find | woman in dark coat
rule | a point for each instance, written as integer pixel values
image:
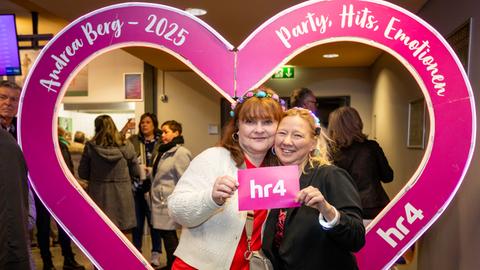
(325, 231)
(363, 159)
(108, 164)
(146, 144)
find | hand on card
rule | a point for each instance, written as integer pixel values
(312, 197)
(223, 188)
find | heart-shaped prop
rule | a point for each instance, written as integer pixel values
(378, 23)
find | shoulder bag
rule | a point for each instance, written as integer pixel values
(257, 259)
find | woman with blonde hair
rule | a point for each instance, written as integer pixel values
(325, 231)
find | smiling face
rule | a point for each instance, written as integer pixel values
(294, 140)
(256, 136)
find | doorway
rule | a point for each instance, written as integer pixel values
(325, 105)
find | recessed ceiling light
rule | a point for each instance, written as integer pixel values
(196, 11)
(331, 55)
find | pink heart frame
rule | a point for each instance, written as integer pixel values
(417, 45)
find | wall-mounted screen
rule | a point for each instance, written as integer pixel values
(9, 56)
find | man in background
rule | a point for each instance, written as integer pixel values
(304, 98)
(9, 99)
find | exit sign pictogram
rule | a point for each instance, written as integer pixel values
(284, 73)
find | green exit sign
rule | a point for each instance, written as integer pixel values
(284, 73)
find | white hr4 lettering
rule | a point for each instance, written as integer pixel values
(263, 192)
(400, 230)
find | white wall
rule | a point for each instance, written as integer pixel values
(324, 82)
(105, 77)
(85, 121)
(394, 88)
(193, 103)
(105, 85)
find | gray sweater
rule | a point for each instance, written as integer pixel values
(171, 167)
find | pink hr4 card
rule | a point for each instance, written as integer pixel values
(268, 188)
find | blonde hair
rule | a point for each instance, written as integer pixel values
(320, 155)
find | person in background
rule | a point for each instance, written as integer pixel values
(205, 201)
(128, 129)
(9, 98)
(325, 231)
(363, 159)
(146, 144)
(64, 144)
(108, 164)
(78, 143)
(44, 218)
(170, 164)
(32, 218)
(68, 137)
(76, 151)
(14, 206)
(38, 214)
(304, 98)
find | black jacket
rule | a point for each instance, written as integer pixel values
(13, 205)
(306, 244)
(368, 166)
(67, 157)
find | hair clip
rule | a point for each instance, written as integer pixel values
(258, 94)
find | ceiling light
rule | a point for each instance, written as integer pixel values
(196, 11)
(331, 55)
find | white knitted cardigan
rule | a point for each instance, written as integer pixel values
(210, 233)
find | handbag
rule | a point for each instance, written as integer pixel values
(257, 259)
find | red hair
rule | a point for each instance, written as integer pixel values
(250, 109)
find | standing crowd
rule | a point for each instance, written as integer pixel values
(150, 179)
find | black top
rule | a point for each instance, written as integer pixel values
(306, 244)
(368, 166)
(67, 157)
(14, 241)
(12, 129)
